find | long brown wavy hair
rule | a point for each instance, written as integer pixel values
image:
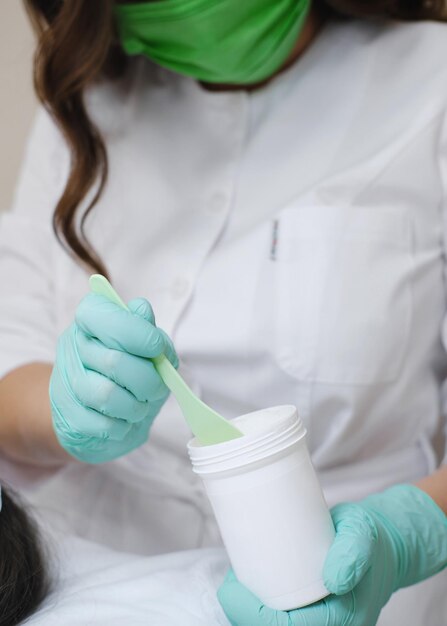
(77, 46)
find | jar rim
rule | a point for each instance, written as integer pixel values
(267, 431)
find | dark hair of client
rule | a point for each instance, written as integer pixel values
(24, 579)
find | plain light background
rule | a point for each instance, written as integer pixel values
(17, 101)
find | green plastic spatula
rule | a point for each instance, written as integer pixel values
(208, 426)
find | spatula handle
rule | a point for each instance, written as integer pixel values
(172, 379)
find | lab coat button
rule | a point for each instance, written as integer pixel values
(180, 287)
(226, 118)
(217, 202)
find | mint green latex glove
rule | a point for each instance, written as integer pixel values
(104, 390)
(387, 541)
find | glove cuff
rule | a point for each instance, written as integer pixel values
(417, 528)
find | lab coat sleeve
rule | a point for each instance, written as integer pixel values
(443, 171)
(27, 248)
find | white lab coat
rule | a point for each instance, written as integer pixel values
(292, 243)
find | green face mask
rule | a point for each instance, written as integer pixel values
(218, 41)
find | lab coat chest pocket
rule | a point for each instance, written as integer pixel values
(343, 292)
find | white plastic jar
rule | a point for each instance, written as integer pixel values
(269, 506)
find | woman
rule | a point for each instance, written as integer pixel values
(271, 179)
